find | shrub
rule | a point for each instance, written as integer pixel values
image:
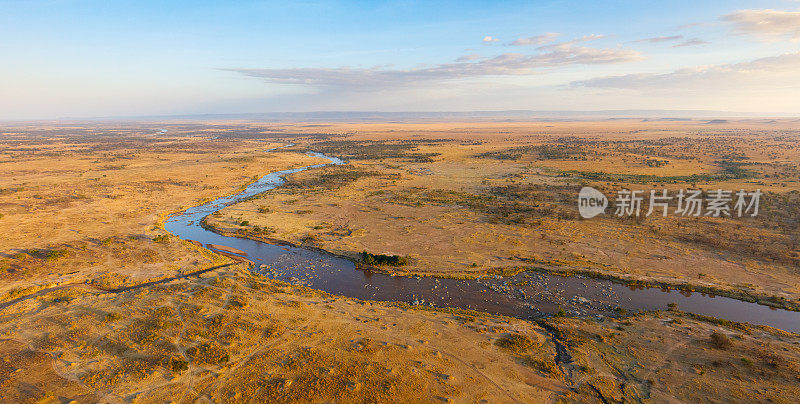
(560, 312)
(382, 259)
(178, 365)
(112, 316)
(53, 255)
(49, 255)
(720, 340)
(516, 343)
(208, 354)
(261, 230)
(375, 150)
(161, 238)
(546, 366)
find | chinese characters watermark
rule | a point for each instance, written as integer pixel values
(692, 202)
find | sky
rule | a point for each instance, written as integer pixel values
(77, 59)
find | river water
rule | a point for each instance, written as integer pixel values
(526, 295)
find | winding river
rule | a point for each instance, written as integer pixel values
(526, 295)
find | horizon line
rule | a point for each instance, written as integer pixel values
(361, 115)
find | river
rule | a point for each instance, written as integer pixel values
(526, 295)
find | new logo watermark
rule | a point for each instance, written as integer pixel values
(692, 202)
(591, 202)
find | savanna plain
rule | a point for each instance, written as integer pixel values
(100, 303)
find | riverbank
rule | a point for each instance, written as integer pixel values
(241, 328)
(623, 279)
(189, 223)
(472, 204)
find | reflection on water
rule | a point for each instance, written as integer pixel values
(526, 295)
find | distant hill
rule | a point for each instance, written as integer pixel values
(510, 115)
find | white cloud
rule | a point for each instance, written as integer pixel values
(490, 39)
(568, 44)
(768, 85)
(507, 64)
(690, 42)
(536, 39)
(659, 39)
(468, 58)
(775, 73)
(767, 24)
(674, 38)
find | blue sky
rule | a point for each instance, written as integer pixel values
(64, 58)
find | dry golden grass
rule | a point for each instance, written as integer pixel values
(73, 229)
(76, 207)
(491, 196)
(81, 206)
(683, 364)
(229, 335)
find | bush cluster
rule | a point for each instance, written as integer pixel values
(383, 259)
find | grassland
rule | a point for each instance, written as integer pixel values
(491, 197)
(99, 304)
